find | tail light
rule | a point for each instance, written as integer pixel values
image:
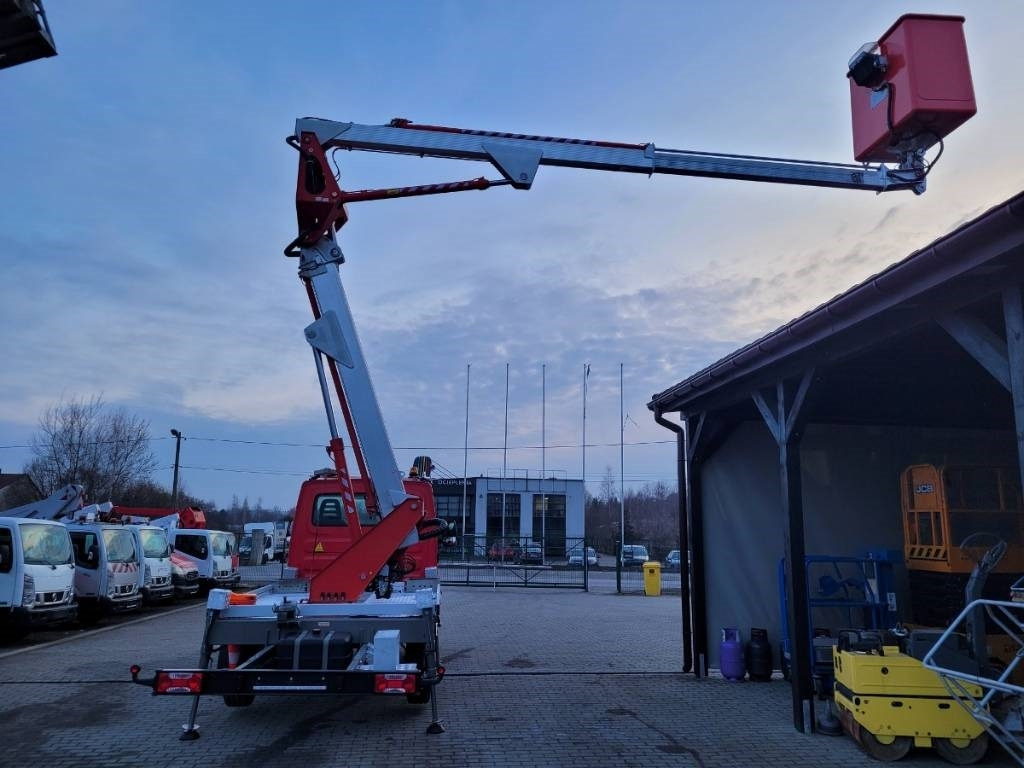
(394, 683)
(178, 682)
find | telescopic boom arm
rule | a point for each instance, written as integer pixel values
(517, 158)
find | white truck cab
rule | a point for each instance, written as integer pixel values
(108, 563)
(37, 575)
(155, 584)
(213, 553)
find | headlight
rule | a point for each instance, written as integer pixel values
(111, 589)
(28, 591)
(148, 579)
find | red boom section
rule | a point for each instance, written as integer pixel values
(189, 517)
(339, 562)
(320, 201)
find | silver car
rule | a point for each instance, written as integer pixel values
(576, 558)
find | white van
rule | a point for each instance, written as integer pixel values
(213, 553)
(155, 584)
(37, 575)
(107, 567)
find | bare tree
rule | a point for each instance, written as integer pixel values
(608, 494)
(81, 442)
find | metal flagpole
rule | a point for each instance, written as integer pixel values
(465, 467)
(504, 467)
(586, 373)
(622, 464)
(543, 466)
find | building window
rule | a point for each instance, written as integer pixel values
(549, 522)
(496, 512)
(449, 508)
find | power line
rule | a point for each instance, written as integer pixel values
(637, 477)
(563, 446)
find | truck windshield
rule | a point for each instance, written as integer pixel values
(222, 543)
(120, 545)
(154, 543)
(46, 544)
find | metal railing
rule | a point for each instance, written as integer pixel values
(990, 698)
(515, 562)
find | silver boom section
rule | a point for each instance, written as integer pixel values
(517, 157)
(334, 334)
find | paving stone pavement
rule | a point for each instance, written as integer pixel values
(535, 678)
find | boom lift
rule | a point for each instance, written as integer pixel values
(363, 615)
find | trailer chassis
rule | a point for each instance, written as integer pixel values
(241, 651)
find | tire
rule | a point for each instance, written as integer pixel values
(962, 751)
(238, 699)
(12, 634)
(232, 699)
(415, 653)
(889, 750)
(264, 561)
(90, 616)
(422, 696)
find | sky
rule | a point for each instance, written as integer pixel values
(147, 194)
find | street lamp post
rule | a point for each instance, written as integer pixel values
(177, 455)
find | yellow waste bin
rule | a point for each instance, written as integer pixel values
(652, 578)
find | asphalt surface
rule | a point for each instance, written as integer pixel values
(535, 678)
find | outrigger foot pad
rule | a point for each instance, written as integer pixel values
(189, 734)
(435, 727)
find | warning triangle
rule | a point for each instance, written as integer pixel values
(319, 547)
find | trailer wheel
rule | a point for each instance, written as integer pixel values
(422, 696)
(238, 699)
(416, 653)
(962, 751)
(232, 699)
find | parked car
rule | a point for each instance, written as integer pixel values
(505, 550)
(576, 558)
(634, 555)
(672, 561)
(531, 553)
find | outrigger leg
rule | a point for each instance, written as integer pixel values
(190, 730)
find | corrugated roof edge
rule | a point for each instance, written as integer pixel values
(959, 251)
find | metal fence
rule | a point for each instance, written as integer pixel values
(515, 562)
(476, 561)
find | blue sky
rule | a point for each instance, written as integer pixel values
(148, 193)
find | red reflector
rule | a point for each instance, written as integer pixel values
(178, 682)
(394, 683)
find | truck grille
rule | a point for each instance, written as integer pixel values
(223, 574)
(51, 598)
(160, 581)
(125, 589)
